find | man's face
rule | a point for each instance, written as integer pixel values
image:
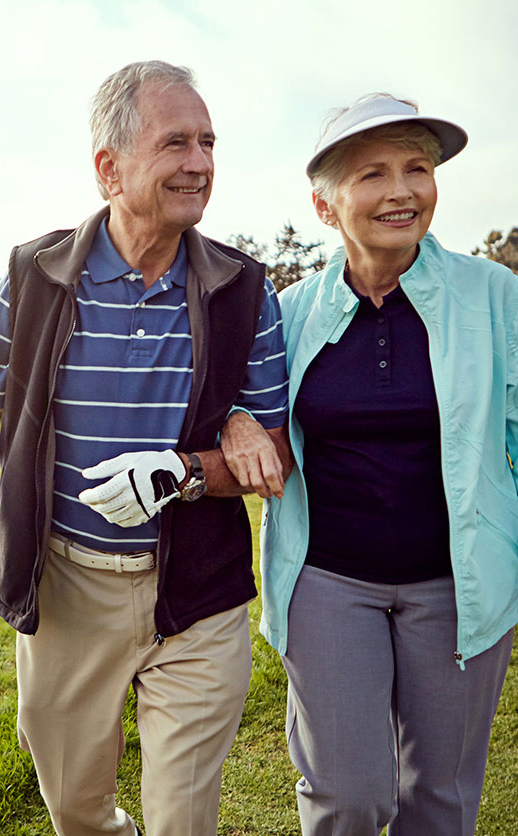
(166, 180)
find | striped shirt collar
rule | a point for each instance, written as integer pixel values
(105, 264)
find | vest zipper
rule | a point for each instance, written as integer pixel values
(190, 416)
(38, 470)
(200, 379)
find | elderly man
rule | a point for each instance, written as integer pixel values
(126, 557)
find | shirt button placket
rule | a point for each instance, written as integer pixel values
(382, 351)
(138, 330)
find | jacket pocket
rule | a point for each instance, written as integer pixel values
(500, 532)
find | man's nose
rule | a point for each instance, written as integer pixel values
(199, 159)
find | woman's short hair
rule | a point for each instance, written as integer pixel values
(114, 117)
(330, 171)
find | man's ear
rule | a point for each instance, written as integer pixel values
(324, 211)
(105, 162)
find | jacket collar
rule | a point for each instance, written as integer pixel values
(334, 289)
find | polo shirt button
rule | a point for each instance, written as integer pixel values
(141, 332)
(381, 320)
(383, 363)
(381, 341)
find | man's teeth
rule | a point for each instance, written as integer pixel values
(183, 190)
(398, 216)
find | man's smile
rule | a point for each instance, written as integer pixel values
(186, 189)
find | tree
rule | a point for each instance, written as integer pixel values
(505, 251)
(248, 245)
(291, 259)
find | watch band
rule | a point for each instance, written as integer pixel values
(196, 466)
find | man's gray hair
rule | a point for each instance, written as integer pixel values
(114, 117)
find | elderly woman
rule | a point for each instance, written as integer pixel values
(391, 564)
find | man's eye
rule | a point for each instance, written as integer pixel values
(371, 175)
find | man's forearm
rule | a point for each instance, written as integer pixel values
(273, 467)
(140, 483)
(220, 481)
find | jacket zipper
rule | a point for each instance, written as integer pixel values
(457, 655)
(300, 464)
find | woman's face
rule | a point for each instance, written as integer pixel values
(385, 200)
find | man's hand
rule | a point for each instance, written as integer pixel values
(251, 455)
(141, 484)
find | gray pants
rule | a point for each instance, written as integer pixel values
(382, 723)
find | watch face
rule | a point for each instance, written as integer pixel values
(194, 489)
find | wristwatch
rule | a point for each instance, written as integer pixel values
(197, 484)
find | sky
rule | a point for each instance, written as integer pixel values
(269, 72)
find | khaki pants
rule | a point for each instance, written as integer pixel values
(96, 638)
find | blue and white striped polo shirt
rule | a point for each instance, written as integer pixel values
(125, 381)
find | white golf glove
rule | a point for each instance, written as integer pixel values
(141, 484)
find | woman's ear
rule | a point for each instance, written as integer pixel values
(324, 210)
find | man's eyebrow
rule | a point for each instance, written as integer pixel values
(182, 135)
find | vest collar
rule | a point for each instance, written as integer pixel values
(63, 261)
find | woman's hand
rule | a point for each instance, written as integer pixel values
(259, 459)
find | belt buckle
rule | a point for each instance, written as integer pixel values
(143, 555)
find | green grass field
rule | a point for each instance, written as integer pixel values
(258, 798)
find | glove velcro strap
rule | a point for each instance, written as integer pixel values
(135, 491)
(164, 484)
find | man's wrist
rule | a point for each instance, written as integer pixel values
(194, 484)
(235, 410)
(187, 464)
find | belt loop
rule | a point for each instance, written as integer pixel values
(117, 559)
(68, 543)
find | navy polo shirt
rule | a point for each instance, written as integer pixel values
(372, 464)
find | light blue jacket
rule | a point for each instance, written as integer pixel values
(470, 309)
